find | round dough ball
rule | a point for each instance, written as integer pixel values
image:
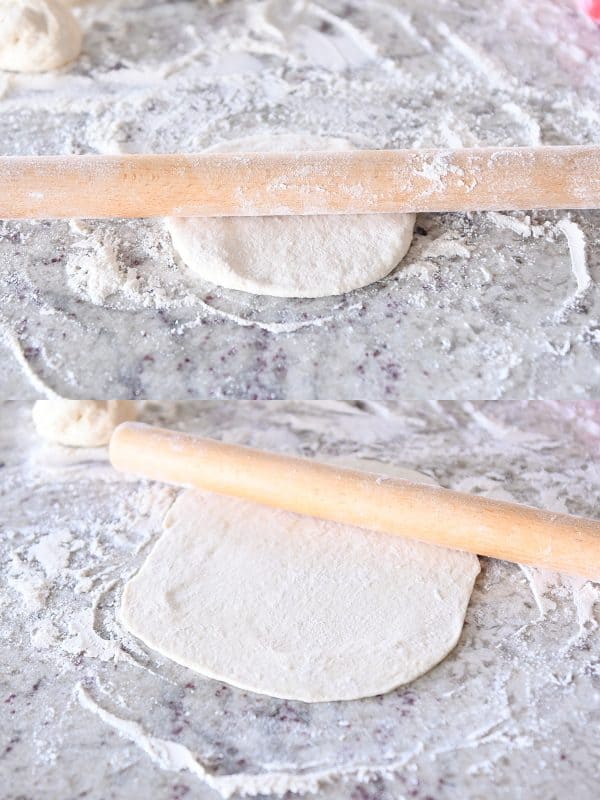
(81, 423)
(37, 35)
(295, 607)
(292, 256)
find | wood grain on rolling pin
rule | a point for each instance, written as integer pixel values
(254, 184)
(389, 505)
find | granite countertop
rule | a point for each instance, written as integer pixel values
(484, 305)
(88, 711)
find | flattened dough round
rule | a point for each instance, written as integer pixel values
(37, 35)
(295, 607)
(81, 423)
(292, 256)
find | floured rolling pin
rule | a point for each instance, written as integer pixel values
(389, 505)
(266, 184)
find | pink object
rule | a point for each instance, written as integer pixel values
(591, 8)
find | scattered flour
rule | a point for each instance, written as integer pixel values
(520, 224)
(70, 617)
(176, 757)
(376, 74)
(82, 638)
(32, 587)
(577, 245)
(52, 553)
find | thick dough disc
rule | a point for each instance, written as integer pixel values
(292, 256)
(81, 423)
(37, 35)
(295, 607)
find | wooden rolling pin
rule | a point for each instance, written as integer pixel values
(262, 184)
(389, 505)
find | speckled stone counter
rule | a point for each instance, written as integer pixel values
(87, 711)
(484, 305)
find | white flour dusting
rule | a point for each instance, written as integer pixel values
(576, 241)
(520, 224)
(31, 586)
(10, 339)
(380, 74)
(176, 757)
(77, 531)
(53, 552)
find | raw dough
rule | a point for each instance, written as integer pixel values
(81, 423)
(37, 35)
(311, 256)
(295, 607)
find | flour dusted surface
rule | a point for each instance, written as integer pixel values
(500, 291)
(517, 695)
